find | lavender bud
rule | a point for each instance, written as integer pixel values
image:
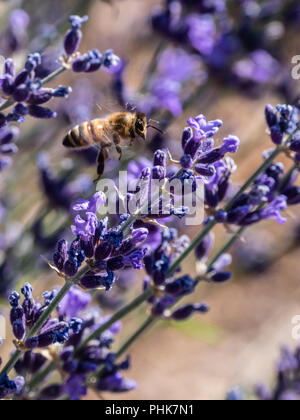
(160, 306)
(58, 261)
(295, 146)
(33, 60)
(41, 112)
(27, 290)
(88, 248)
(62, 92)
(186, 311)
(81, 64)
(158, 172)
(8, 135)
(236, 215)
(18, 328)
(77, 21)
(7, 85)
(271, 116)
(211, 198)
(181, 286)
(16, 313)
(103, 250)
(91, 281)
(205, 246)
(109, 59)
(187, 135)
(21, 78)
(70, 268)
(160, 158)
(40, 97)
(21, 109)
(221, 277)
(221, 216)
(8, 149)
(72, 41)
(207, 171)
(32, 343)
(76, 325)
(276, 135)
(186, 161)
(14, 299)
(115, 263)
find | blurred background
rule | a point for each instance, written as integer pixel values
(238, 341)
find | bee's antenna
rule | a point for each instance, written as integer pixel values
(155, 128)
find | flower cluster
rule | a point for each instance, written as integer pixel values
(24, 316)
(105, 250)
(76, 362)
(91, 61)
(24, 89)
(284, 120)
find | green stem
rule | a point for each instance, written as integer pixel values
(116, 317)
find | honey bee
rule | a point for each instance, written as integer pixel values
(108, 132)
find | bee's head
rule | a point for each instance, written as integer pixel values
(140, 125)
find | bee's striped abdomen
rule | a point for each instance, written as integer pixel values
(84, 135)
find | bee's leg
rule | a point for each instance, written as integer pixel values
(101, 159)
(117, 142)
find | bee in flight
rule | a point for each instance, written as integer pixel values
(108, 132)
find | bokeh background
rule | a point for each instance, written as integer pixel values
(238, 341)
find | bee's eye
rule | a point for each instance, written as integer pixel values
(139, 125)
